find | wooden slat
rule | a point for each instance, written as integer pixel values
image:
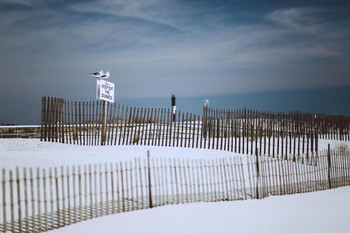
(52, 223)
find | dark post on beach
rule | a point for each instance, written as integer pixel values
(173, 106)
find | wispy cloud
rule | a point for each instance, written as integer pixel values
(30, 3)
(153, 11)
(311, 33)
(301, 19)
(175, 46)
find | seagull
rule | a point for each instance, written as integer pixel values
(104, 76)
(97, 74)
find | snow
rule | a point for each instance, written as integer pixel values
(18, 126)
(325, 211)
(321, 212)
(34, 153)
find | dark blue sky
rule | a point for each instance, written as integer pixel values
(256, 50)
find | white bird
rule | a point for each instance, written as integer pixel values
(105, 76)
(97, 74)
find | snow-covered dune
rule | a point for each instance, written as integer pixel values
(318, 212)
(34, 153)
(321, 212)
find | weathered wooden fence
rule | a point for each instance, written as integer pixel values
(292, 125)
(37, 200)
(240, 131)
(81, 123)
(20, 131)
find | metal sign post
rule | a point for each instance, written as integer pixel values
(104, 123)
(173, 106)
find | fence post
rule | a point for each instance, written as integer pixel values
(329, 166)
(173, 107)
(204, 122)
(257, 173)
(4, 199)
(19, 200)
(43, 104)
(12, 204)
(149, 181)
(104, 123)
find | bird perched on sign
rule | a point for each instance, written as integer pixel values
(97, 74)
(105, 76)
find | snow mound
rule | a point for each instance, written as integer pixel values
(318, 212)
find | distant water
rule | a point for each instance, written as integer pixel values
(334, 101)
(330, 101)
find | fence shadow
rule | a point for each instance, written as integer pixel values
(37, 200)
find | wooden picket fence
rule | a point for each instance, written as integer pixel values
(20, 131)
(38, 200)
(240, 131)
(286, 124)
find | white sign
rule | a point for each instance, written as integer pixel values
(105, 90)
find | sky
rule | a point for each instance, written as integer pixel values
(234, 53)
